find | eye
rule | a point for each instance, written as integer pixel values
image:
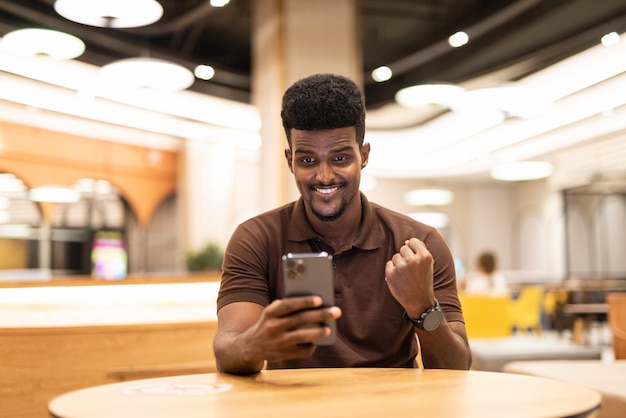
(308, 160)
(340, 158)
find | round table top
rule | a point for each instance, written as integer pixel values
(357, 392)
(607, 377)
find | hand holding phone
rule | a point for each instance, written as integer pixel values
(311, 274)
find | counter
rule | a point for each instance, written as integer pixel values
(70, 333)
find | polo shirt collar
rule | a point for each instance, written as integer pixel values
(370, 232)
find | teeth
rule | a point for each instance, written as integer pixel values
(326, 191)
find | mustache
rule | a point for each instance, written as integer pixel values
(329, 185)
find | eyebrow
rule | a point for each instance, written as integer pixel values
(334, 151)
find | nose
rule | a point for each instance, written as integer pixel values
(325, 173)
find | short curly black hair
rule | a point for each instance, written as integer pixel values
(324, 101)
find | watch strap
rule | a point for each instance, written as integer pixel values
(419, 322)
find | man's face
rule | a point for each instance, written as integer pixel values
(326, 165)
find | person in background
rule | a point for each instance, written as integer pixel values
(394, 277)
(486, 279)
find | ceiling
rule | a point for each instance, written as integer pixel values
(409, 36)
(510, 41)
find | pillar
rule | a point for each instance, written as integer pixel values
(205, 194)
(292, 39)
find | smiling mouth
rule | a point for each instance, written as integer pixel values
(326, 190)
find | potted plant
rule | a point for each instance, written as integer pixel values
(208, 258)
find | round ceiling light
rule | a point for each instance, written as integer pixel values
(458, 39)
(424, 95)
(150, 73)
(34, 42)
(382, 73)
(521, 171)
(204, 72)
(110, 13)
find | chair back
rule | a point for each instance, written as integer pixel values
(486, 316)
(525, 311)
(617, 322)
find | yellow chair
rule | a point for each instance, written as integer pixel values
(617, 322)
(525, 311)
(486, 316)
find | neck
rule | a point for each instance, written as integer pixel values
(341, 232)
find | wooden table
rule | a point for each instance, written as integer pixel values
(302, 393)
(607, 377)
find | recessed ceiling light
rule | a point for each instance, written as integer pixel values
(382, 73)
(428, 197)
(610, 39)
(458, 39)
(204, 72)
(424, 95)
(521, 171)
(110, 13)
(34, 42)
(150, 73)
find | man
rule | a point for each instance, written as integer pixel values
(393, 276)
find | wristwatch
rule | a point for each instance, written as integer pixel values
(430, 319)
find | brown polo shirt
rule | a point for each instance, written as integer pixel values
(372, 331)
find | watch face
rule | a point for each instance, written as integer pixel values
(432, 320)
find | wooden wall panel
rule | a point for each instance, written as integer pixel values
(144, 176)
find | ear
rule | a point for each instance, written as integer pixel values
(288, 156)
(365, 154)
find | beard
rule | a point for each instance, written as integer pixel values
(329, 218)
(345, 201)
(322, 215)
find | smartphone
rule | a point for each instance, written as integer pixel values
(311, 274)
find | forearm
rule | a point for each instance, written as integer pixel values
(444, 348)
(231, 355)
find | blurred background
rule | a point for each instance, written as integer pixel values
(135, 135)
(455, 90)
